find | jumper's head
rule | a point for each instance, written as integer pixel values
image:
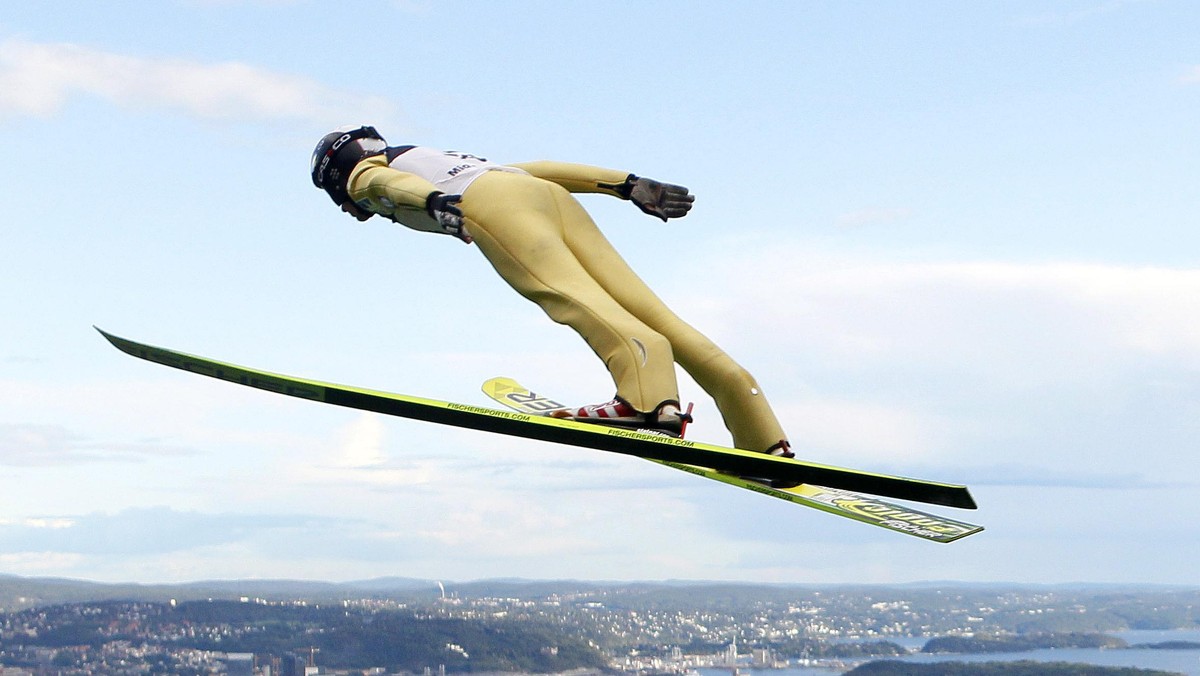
(337, 154)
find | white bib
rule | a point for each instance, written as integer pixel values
(450, 170)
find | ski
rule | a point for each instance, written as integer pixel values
(862, 508)
(529, 426)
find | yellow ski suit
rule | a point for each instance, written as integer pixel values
(540, 239)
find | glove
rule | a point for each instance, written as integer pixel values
(444, 209)
(663, 200)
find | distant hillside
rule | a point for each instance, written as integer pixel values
(18, 593)
(860, 609)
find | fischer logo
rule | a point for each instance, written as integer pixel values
(640, 434)
(511, 415)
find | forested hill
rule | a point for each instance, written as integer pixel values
(344, 637)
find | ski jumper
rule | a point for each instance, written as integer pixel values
(540, 239)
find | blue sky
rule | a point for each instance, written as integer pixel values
(952, 240)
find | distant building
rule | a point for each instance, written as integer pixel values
(239, 664)
(292, 664)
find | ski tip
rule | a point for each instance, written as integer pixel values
(120, 343)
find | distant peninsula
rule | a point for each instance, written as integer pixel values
(984, 644)
(1167, 645)
(1023, 668)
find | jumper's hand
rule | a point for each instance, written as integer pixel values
(663, 200)
(444, 209)
(356, 211)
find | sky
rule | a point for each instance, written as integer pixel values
(952, 240)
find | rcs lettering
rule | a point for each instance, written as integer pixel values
(534, 402)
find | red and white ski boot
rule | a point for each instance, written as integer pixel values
(666, 419)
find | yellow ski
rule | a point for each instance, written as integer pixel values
(532, 426)
(856, 506)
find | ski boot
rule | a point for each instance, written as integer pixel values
(667, 419)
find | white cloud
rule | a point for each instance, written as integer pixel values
(1192, 76)
(153, 530)
(39, 79)
(863, 430)
(45, 445)
(979, 315)
(362, 443)
(918, 366)
(39, 522)
(39, 563)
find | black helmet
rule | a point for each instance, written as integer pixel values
(338, 152)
